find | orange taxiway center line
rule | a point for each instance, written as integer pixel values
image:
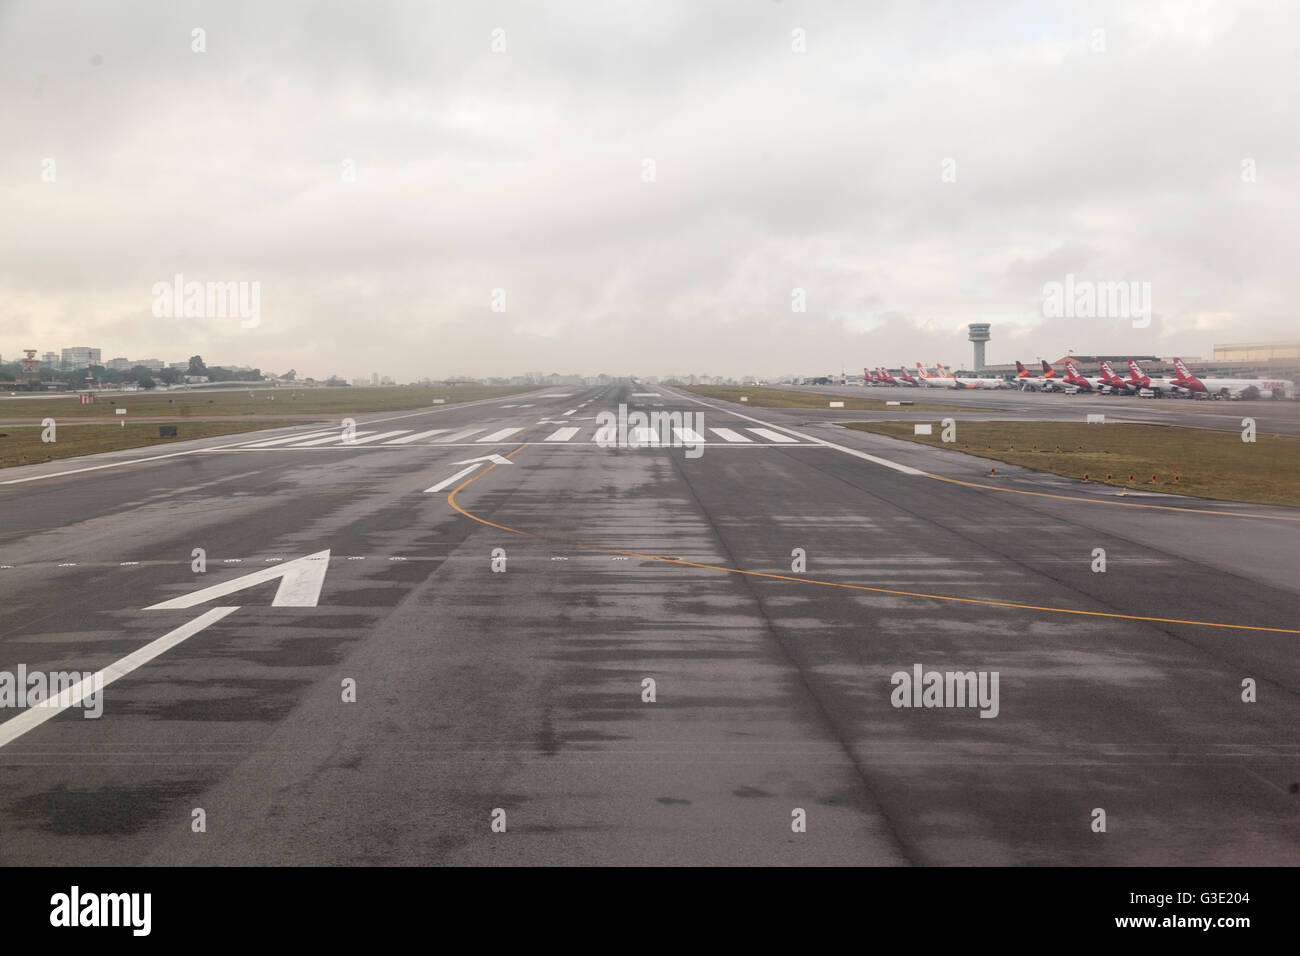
(451, 500)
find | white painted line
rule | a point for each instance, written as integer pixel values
(36, 715)
(730, 435)
(922, 429)
(501, 435)
(561, 434)
(285, 441)
(645, 395)
(772, 436)
(417, 436)
(458, 436)
(570, 411)
(1096, 419)
(885, 462)
(363, 441)
(300, 583)
(836, 404)
(689, 436)
(454, 478)
(336, 437)
(115, 464)
(644, 436)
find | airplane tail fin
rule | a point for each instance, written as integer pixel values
(1048, 371)
(1021, 371)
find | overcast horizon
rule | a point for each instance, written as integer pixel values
(647, 188)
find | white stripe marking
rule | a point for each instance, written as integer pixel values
(904, 469)
(729, 435)
(362, 441)
(337, 436)
(689, 436)
(772, 436)
(34, 716)
(417, 436)
(285, 441)
(458, 436)
(562, 434)
(502, 435)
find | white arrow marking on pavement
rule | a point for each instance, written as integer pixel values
(474, 465)
(495, 459)
(300, 584)
(454, 478)
(38, 714)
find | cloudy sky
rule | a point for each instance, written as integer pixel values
(912, 167)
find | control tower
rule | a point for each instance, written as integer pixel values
(979, 334)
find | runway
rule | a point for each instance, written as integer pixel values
(392, 689)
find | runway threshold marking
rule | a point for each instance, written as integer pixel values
(451, 500)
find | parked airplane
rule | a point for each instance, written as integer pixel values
(955, 382)
(1026, 380)
(1229, 387)
(1112, 381)
(884, 378)
(933, 381)
(1142, 381)
(1075, 378)
(907, 378)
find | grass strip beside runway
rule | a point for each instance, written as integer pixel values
(1205, 463)
(22, 445)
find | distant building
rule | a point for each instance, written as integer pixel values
(360, 382)
(49, 359)
(374, 378)
(179, 366)
(1258, 352)
(81, 356)
(153, 364)
(119, 364)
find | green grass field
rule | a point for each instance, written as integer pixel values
(793, 398)
(22, 445)
(1207, 464)
(268, 402)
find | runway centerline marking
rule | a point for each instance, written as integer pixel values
(451, 500)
